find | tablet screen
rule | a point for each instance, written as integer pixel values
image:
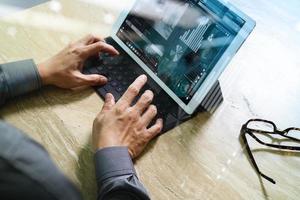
(180, 40)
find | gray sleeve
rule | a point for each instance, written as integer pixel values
(116, 176)
(23, 156)
(18, 78)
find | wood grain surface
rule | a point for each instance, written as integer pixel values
(201, 159)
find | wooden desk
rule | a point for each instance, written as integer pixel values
(201, 159)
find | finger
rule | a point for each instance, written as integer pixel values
(109, 102)
(144, 102)
(132, 91)
(155, 129)
(90, 39)
(91, 80)
(97, 47)
(149, 115)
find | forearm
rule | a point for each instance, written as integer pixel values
(18, 78)
(116, 176)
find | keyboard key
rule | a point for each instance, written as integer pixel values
(100, 68)
(125, 83)
(93, 71)
(111, 90)
(110, 67)
(114, 73)
(97, 63)
(119, 78)
(120, 89)
(114, 84)
(101, 91)
(106, 61)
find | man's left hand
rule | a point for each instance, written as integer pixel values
(64, 69)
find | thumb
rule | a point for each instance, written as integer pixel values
(92, 79)
(109, 102)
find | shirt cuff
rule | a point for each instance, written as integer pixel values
(113, 162)
(21, 77)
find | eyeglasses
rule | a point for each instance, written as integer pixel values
(268, 129)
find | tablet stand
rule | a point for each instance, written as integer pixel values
(213, 99)
(210, 103)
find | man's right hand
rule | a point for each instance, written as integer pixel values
(120, 124)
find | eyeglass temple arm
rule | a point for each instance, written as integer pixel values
(253, 160)
(285, 132)
(273, 145)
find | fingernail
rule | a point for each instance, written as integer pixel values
(144, 77)
(149, 92)
(103, 79)
(107, 97)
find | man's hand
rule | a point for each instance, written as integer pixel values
(120, 124)
(64, 69)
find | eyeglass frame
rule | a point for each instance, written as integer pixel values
(245, 130)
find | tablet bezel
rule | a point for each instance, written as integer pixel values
(214, 74)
